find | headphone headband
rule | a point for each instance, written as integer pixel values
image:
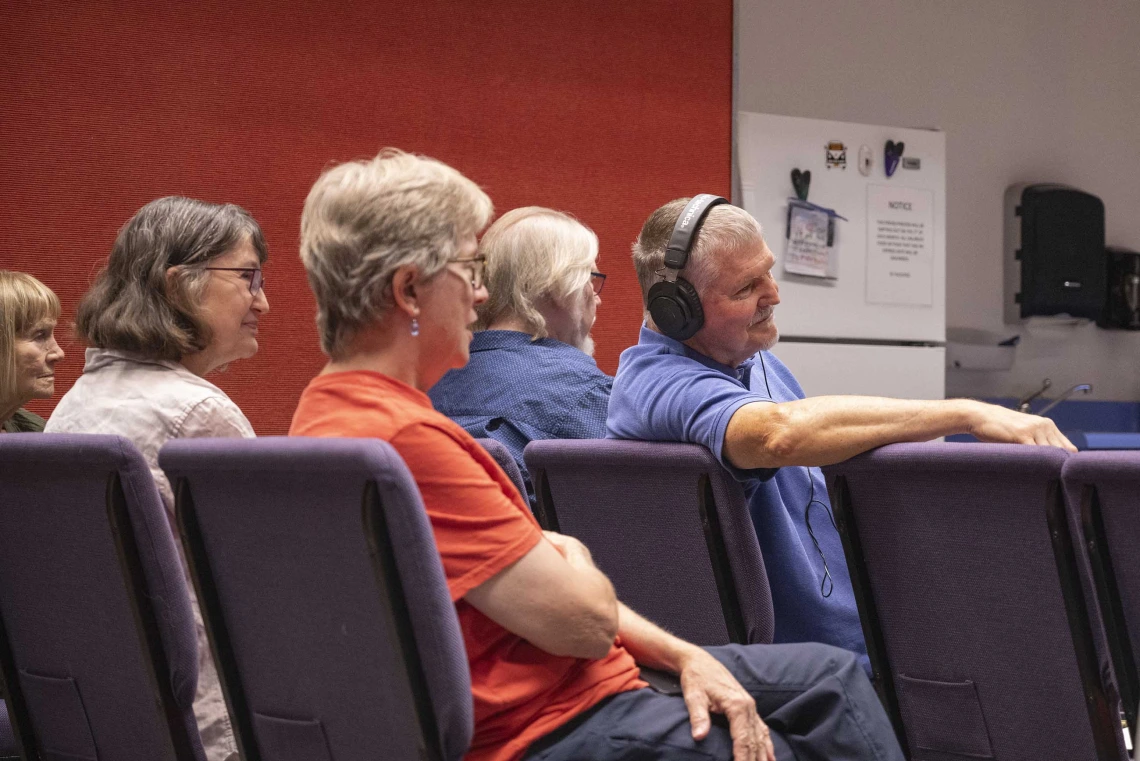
(690, 221)
(674, 303)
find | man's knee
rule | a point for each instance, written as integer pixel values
(837, 659)
(826, 661)
(800, 663)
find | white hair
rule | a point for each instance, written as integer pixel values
(364, 219)
(534, 253)
(726, 229)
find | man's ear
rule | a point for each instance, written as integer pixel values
(405, 289)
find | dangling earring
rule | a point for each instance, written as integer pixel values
(415, 327)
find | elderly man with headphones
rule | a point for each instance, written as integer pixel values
(701, 373)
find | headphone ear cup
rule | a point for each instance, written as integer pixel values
(666, 311)
(676, 309)
(688, 294)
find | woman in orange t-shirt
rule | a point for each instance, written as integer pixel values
(390, 250)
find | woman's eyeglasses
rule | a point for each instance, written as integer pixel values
(477, 267)
(597, 281)
(253, 274)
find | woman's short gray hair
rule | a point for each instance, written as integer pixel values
(24, 303)
(132, 305)
(365, 219)
(534, 253)
(726, 228)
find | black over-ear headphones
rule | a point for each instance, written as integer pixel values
(673, 303)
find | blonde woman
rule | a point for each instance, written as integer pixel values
(532, 375)
(28, 349)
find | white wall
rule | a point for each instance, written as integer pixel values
(1026, 90)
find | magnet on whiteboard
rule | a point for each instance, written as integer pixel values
(866, 160)
(891, 155)
(836, 155)
(801, 183)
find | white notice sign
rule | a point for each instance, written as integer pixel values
(809, 249)
(900, 245)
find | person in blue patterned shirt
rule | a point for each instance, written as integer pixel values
(532, 374)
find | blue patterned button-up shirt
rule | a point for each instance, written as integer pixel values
(517, 390)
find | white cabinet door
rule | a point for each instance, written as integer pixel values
(903, 372)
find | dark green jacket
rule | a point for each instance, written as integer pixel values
(23, 422)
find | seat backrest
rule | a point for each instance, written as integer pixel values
(975, 620)
(1103, 490)
(324, 597)
(8, 747)
(669, 527)
(97, 643)
(503, 458)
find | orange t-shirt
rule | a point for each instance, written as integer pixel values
(481, 526)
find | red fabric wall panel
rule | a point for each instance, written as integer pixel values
(603, 109)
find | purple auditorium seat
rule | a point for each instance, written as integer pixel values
(669, 527)
(329, 616)
(975, 619)
(97, 646)
(504, 460)
(8, 747)
(1103, 490)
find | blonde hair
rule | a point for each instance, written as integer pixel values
(534, 253)
(24, 302)
(726, 228)
(364, 219)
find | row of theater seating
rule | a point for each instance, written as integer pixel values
(998, 586)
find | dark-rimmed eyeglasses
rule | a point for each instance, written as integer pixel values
(477, 267)
(254, 275)
(597, 282)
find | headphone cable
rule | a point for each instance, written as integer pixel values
(824, 583)
(827, 583)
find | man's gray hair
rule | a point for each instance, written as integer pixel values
(365, 219)
(726, 229)
(534, 253)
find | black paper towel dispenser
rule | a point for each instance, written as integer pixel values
(1054, 252)
(1122, 305)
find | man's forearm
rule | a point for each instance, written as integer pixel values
(649, 644)
(827, 429)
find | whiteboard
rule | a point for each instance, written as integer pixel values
(881, 292)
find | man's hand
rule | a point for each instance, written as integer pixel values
(708, 686)
(574, 551)
(1000, 425)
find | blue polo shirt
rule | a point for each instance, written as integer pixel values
(665, 391)
(517, 390)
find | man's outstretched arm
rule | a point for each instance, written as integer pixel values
(823, 430)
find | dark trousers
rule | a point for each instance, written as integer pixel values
(815, 699)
